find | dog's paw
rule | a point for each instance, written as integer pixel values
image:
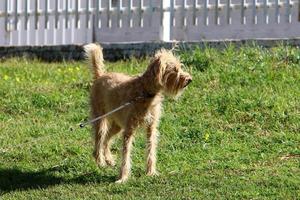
(121, 180)
(110, 162)
(152, 173)
(100, 160)
(101, 163)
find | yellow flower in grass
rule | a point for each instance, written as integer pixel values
(206, 136)
(6, 77)
(18, 79)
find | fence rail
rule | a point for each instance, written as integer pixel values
(56, 22)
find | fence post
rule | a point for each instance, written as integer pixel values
(166, 26)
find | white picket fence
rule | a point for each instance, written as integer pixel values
(56, 22)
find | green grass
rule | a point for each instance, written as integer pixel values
(233, 134)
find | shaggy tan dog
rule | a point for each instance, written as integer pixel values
(145, 92)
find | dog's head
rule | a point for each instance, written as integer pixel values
(166, 68)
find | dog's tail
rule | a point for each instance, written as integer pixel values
(94, 55)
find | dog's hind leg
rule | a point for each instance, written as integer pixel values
(101, 129)
(114, 129)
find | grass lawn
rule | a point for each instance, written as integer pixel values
(233, 134)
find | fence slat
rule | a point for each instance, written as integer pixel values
(119, 14)
(129, 20)
(298, 11)
(87, 13)
(25, 14)
(194, 20)
(205, 14)
(228, 3)
(46, 14)
(276, 12)
(56, 14)
(140, 13)
(288, 11)
(216, 12)
(266, 21)
(108, 24)
(242, 11)
(66, 13)
(150, 12)
(165, 27)
(16, 15)
(172, 13)
(182, 14)
(253, 11)
(76, 13)
(162, 12)
(97, 10)
(36, 16)
(6, 15)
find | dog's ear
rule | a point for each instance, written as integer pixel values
(156, 69)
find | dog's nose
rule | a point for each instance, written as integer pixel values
(189, 80)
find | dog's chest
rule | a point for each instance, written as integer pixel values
(145, 112)
(148, 118)
(152, 113)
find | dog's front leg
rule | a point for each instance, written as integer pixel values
(152, 134)
(126, 162)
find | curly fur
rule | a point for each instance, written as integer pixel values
(163, 76)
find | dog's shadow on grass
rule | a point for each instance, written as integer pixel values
(16, 179)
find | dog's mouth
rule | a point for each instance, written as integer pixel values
(188, 81)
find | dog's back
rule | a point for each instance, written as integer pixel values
(94, 56)
(110, 89)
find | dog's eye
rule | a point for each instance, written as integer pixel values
(176, 69)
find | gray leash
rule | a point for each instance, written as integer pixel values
(83, 124)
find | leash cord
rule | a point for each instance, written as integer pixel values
(83, 124)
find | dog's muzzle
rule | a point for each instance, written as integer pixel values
(188, 82)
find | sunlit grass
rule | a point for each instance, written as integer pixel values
(234, 133)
